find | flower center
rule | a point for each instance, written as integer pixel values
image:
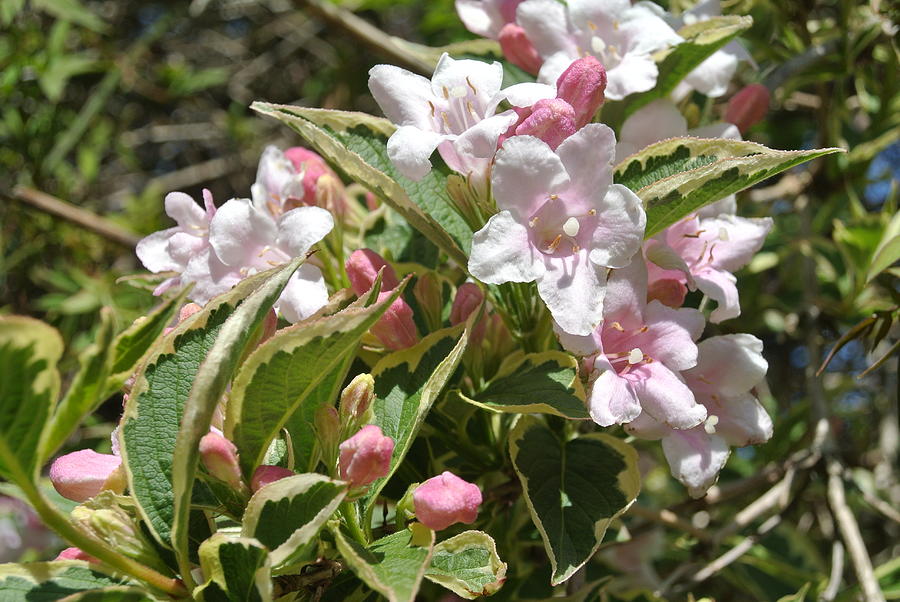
(459, 110)
(553, 230)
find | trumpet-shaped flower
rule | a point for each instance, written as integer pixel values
(249, 240)
(446, 499)
(728, 367)
(295, 178)
(637, 354)
(562, 223)
(487, 17)
(621, 36)
(454, 113)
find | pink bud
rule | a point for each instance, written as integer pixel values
(582, 85)
(518, 49)
(551, 119)
(219, 457)
(187, 311)
(748, 106)
(321, 186)
(396, 328)
(265, 474)
(365, 456)
(75, 554)
(468, 298)
(667, 291)
(446, 499)
(362, 268)
(85, 473)
(372, 201)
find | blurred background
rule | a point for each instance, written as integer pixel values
(107, 106)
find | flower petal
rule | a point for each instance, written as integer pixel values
(656, 121)
(573, 288)
(528, 93)
(664, 396)
(721, 287)
(186, 213)
(742, 419)
(712, 76)
(483, 79)
(636, 73)
(410, 148)
(626, 294)
(744, 237)
(402, 95)
(728, 365)
(480, 140)
(480, 17)
(588, 157)
(239, 231)
(304, 295)
(611, 399)
(526, 172)
(153, 251)
(671, 334)
(502, 252)
(546, 24)
(695, 458)
(301, 228)
(620, 228)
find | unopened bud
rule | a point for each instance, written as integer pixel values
(428, 294)
(265, 474)
(582, 85)
(518, 49)
(372, 202)
(362, 269)
(445, 500)
(551, 119)
(469, 298)
(365, 456)
(219, 457)
(321, 186)
(357, 396)
(75, 554)
(105, 519)
(396, 328)
(328, 431)
(85, 473)
(667, 291)
(748, 107)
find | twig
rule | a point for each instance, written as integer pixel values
(82, 217)
(736, 552)
(788, 186)
(669, 519)
(881, 506)
(851, 535)
(837, 571)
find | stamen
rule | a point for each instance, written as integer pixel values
(446, 93)
(431, 104)
(553, 197)
(592, 26)
(592, 212)
(446, 121)
(265, 250)
(575, 248)
(551, 248)
(471, 108)
(710, 425)
(617, 326)
(616, 24)
(644, 329)
(571, 227)
(533, 221)
(703, 252)
(694, 235)
(703, 379)
(635, 356)
(474, 91)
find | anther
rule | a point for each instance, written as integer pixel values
(533, 221)
(617, 326)
(723, 234)
(446, 92)
(474, 91)
(431, 104)
(551, 248)
(644, 328)
(553, 197)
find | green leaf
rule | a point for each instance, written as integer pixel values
(154, 409)
(356, 143)
(115, 593)
(285, 516)
(237, 569)
(50, 580)
(393, 566)
(71, 10)
(210, 383)
(888, 251)
(545, 383)
(574, 489)
(85, 392)
(468, 565)
(407, 383)
(676, 177)
(701, 40)
(280, 377)
(800, 596)
(29, 352)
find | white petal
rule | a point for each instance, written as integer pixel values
(726, 206)
(572, 288)
(467, 74)
(588, 158)
(211, 276)
(410, 148)
(402, 95)
(636, 73)
(665, 397)
(720, 129)
(480, 140)
(582, 345)
(153, 251)
(620, 229)
(611, 400)
(480, 17)
(502, 252)
(304, 295)
(744, 237)
(528, 93)
(712, 76)
(301, 228)
(728, 364)
(646, 426)
(581, 12)
(721, 287)
(239, 231)
(546, 25)
(656, 121)
(695, 458)
(182, 208)
(626, 293)
(526, 172)
(742, 420)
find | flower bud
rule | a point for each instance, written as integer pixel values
(582, 85)
(667, 291)
(396, 328)
(469, 298)
(321, 186)
(748, 106)
(362, 269)
(446, 499)
(219, 457)
(429, 295)
(75, 554)
(372, 201)
(357, 396)
(365, 456)
(265, 474)
(85, 473)
(518, 49)
(327, 423)
(551, 119)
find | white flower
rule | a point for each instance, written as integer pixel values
(622, 37)
(562, 223)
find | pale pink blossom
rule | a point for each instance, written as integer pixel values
(294, 178)
(621, 36)
(727, 370)
(446, 499)
(487, 17)
(365, 456)
(265, 474)
(85, 473)
(562, 223)
(636, 356)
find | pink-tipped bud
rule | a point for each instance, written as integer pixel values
(582, 85)
(445, 500)
(357, 396)
(372, 202)
(429, 294)
(551, 119)
(85, 473)
(748, 107)
(396, 328)
(365, 456)
(219, 457)
(518, 49)
(468, 299)
(667, 291)
(269, 326)
(75, 554)
(265, 474)
(186, 312)
(321, 186)
(362, 269)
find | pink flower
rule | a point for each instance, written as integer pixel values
(396, 328)
(518, 49)
(562, 223)
(582, 85)
(85, 473)
(469, 297)
(363, 266)
(637, 354)
(487, 18)
(265, 474)
(365, 456)
(446, 499)
(219, 457)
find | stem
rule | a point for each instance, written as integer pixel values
(349, 512)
